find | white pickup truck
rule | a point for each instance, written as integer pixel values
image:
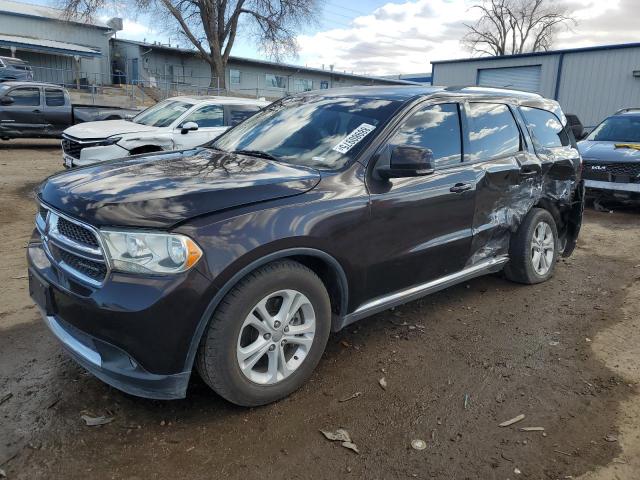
(173, 124)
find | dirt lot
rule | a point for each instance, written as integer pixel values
(565, 353)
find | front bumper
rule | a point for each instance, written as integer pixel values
(134, 333)
(612, 186)
(91, 155)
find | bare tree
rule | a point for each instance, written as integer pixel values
(211, 26)
(516, 26)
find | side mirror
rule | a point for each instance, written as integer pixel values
(408, 161)
(6, 100)
(189, 127)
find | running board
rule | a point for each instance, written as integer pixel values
(385, 302)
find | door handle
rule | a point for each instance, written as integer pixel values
(461, 187)
(526, 172)
(36, 111)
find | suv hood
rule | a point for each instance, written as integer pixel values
(106, 128)
(607, 151)
(161, 190)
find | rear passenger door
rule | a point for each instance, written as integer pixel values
(57, 111)
(25, 113)
(421, 226)
(507, 172)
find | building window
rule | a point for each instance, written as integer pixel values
(303, 84)
(234, 77)
(324, 85)
(275, 81)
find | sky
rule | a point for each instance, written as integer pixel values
(392, 37)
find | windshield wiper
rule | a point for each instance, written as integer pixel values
(258, 153)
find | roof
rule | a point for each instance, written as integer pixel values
(17, 83)
(407, 92)
(266, 62)
(220, 99)
(542, 54)
(48, 46)
(40, 11)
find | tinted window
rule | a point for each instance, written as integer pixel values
(275, 81)
(315, 130)
(208, 116)
(492, 132)
(238, 113)
(25, 96)
(54, 98)
(545, 128)
(617, 129)
(436, 127)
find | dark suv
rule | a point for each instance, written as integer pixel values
(324, 208)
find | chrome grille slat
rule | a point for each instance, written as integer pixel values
(73, 246)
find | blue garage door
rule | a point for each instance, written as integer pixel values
(518, 78)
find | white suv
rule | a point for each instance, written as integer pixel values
(173, 124)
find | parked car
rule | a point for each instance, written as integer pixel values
(176, 123)
(14, 69)
(322, 209)
(44, 110)
(612, 157)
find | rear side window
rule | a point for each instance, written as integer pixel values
(493, 132)
(436, 127)
(27, 97)
(207, 116)
(54, 97)
(238, 113)
(545, 128)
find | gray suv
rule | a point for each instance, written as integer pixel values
(14, 69)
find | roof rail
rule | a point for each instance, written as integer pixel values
(625, 110)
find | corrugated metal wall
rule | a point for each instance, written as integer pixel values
(596, 84)
(593, 85)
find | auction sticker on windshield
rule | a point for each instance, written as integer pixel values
(354, 138)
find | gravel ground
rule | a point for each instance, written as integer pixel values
(566, 354)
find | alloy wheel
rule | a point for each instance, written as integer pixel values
(276, 337)
(542, 248)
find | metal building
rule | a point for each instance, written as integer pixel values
(59, 49)
(170, 68)
(590, 82)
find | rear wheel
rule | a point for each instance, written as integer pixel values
(533, 249)
(267, 335)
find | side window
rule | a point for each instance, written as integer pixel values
(436, 127)
(545, 128)
(54, 97)
(27, 97)
(238, 113)
(207, 116)
(493, 132)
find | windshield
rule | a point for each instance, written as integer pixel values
(313, 130)
(617, 129)
(163, 114)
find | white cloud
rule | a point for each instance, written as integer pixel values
(403, 37)
(134, 30)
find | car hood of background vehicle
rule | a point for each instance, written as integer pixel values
(106, 128)
(158, 191)
(607, 151)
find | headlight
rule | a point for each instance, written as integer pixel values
(110, 141)
(144, 252)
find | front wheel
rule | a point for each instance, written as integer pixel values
(267, 335)
(533, 249)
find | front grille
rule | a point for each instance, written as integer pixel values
(92, 269)
(77, 233)
(72, 246)
(626, 172)
(73, 147)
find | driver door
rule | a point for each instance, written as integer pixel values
(421, 226)
(210, 121)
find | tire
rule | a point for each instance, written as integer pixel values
(242, 322)
(524, 265)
